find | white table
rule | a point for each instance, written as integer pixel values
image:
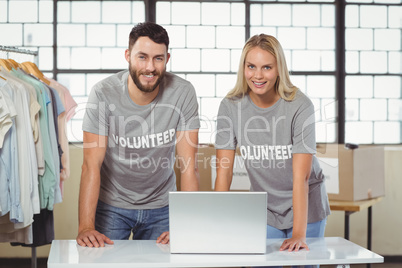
(351, 207)
(146, 253)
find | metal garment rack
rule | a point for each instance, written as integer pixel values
(16, 50)
(10, 52)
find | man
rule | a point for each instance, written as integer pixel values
(134, 121)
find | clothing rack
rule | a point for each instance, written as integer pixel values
(20, 54)
(18, 50)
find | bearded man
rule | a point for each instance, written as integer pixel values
(135, 123)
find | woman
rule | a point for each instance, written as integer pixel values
(272, 123)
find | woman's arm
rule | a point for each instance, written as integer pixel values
(224, 169)
(301, 173)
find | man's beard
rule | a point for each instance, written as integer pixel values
(135, 75)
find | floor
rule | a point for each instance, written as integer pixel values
(42, 263)
(381, 265)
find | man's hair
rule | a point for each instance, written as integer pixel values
(152, 30)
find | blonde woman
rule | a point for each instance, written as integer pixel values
(272, 123)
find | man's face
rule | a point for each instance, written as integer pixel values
(147, 63)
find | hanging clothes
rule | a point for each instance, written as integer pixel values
(70, 105)
(47, 182)
(10, 184)
(34, 159)
(21, 231)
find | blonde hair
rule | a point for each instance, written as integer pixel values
(283, 85)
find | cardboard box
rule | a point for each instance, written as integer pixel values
(207, 170)
(206, 159)
(205, 154)
(352, 175)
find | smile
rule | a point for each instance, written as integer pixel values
(259, 84)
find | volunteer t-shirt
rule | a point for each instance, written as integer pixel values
(267, 139)
(137, 172)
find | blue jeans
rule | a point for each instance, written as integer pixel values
(315, 229)
(118, 223)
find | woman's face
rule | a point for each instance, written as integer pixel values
(261, 72)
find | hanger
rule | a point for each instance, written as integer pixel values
(23, 67)
(33, 69)
(6, 65)
(13, 63)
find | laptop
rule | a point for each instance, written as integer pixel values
(218, 222)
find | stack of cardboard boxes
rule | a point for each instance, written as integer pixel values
(351, 174)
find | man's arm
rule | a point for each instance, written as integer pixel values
(94, 154)
(187, 148)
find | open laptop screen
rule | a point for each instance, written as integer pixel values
(218, 222)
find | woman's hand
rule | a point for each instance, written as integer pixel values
(294, 244)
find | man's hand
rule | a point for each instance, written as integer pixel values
(164, 238)
(92, 238)
(294, 244)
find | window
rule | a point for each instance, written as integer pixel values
(91, 46)
(206, 42)
(309, 45)
(373, 73)
(28, 24)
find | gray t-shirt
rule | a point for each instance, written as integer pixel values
(137, 172)
(267, 138)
